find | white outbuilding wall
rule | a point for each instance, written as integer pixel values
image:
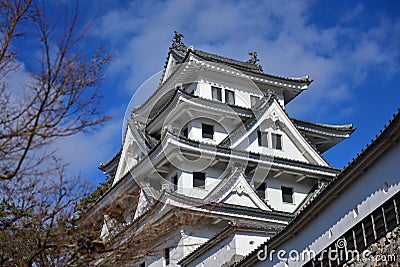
(240, 243)
(379, 183)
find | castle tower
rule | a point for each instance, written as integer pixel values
(211, 165)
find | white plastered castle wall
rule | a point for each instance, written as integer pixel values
(239, 243)
(367, 193)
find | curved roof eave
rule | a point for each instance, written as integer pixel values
(241, 65)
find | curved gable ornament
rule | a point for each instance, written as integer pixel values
(240, 190)
(274, 117)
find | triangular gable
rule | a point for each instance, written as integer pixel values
(130, 155)
(170, 66)
(142, 206)
(240, 193)
(108, 225)
(273, 119)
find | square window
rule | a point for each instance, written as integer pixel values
(216, 93)
(199, 179)
(185, 132)
(229, 97)
(287, 194)
(262, 138)
(276, 141)
(260, 191)
(254, 100)
(207, 131)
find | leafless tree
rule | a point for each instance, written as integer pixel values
(62, 96)
(60, 99)
(37, 222)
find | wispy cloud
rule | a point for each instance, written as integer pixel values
(353, 13)
(288, 43)
(84, 152)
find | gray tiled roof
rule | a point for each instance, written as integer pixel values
(181, 52)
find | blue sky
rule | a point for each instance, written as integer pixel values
(351, 49)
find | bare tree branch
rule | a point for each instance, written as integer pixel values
(63, 96)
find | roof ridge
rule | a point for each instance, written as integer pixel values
(181, 50)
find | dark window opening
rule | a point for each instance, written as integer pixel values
(207, 131)
(143, 264)
(260, 191)
(216, 93)
(359, 233)
(199, 179)
(276, 141)
(287, 194)
(390, 214)
(230, 97)
(190, 88)
(166, 256)
(368, 230)
(185, 132)
(262, 138)
(379, 223)
(175, 181)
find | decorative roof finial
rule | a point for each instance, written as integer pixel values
(177, 39)
(253, 59)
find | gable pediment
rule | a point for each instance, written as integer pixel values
(272, 124)
(130, 155)
(238, 192)
(240, 197)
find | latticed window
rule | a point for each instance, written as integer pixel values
(359, 233)
(262, 138)
(368, 230)
(276, 141)
(229, 97)
(390, 215)
(379, 223)
(216, 93)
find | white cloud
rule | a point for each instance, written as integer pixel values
(17, 81)
(83, 152)
(288, 43)
(353, 13)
